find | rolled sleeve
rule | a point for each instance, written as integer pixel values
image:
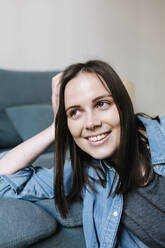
(32, 183)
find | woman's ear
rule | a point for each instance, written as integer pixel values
(130, 88)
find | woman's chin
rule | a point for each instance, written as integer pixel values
(99, 156)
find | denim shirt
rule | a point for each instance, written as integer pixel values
(101, 213)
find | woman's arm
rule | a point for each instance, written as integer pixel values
(24, 154)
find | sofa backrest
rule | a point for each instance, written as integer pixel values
(25, 87)
(25, 105)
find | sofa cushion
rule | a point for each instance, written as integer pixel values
(63, 238)
(73, 219)
(9, 137)
(45, 160)
(23, 223)
(28, 120)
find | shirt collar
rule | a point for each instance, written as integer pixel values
(156, 138)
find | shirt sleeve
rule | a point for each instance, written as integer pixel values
(32, 183)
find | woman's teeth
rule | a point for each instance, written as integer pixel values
(97, 138)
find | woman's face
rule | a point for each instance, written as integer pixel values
(92, 116)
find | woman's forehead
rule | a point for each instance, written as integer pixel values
(86, 80)
(84, 86)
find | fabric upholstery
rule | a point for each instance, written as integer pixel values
(25, 87)
(63, 238)
(9, 137)
(23, 223)
(28, 120)
(74, 218)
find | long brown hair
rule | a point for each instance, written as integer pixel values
(134, 164)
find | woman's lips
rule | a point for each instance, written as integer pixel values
(98, 139)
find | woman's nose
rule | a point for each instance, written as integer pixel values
(92, 122)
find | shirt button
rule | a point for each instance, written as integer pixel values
(115, 213)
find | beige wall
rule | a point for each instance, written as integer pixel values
(51, 34)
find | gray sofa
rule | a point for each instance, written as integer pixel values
(25, 109)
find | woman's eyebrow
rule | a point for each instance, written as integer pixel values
(73, 106)
(100, 97)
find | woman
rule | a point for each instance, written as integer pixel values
(113, 155)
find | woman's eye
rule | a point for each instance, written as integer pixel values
(74, 113)
(102, 104)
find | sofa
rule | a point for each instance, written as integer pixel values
(25, 109)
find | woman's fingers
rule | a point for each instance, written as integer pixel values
(55, 92)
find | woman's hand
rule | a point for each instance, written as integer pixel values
(55, 92)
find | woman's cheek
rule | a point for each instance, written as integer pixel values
(112, 117)
(74, 127)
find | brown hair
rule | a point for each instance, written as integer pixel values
(134, 158)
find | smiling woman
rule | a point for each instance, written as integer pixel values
(113, 153)
(92, 116)
(98, 120)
